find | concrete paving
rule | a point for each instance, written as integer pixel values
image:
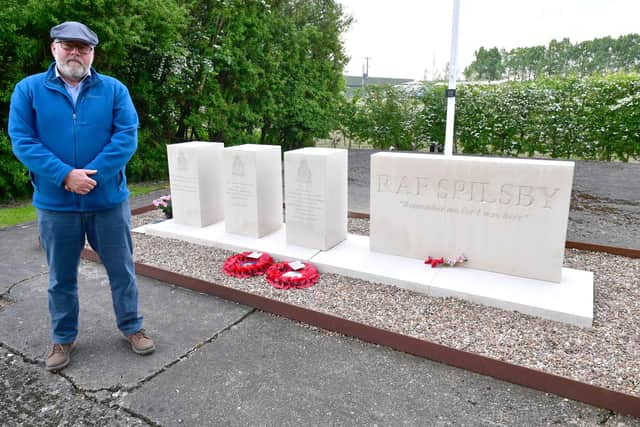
(20, 256)
(221, 363)
(101, 347)
(268, 370)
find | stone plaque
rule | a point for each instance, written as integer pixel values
(195, 179)
(316, 197)
(505, 215)
(252, 189)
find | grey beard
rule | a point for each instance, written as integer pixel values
(74, 73)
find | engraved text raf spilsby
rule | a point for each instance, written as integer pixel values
(484, 192)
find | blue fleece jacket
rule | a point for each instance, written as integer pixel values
(51, 136)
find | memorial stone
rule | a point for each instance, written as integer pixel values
(253, 189)
(505, 215)
(195, 179)
(316, 197)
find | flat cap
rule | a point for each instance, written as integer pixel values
(74, 31)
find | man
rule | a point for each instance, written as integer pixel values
(75, 130)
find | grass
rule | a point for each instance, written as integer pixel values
(23, 211)
(140, 188)
(17, 215)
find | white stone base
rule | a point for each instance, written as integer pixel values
(274, 244)
(570, 301)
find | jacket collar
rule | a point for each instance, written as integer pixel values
(51, 78)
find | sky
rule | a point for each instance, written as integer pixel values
(405, 38)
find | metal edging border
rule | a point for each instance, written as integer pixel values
(142, 209)
(628, 252)
(532, 378)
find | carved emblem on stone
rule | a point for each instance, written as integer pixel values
(183, 164)
(304, 173)
(237, 168)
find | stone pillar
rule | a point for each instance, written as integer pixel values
(195, 178)
(253, 189)
(316, 197)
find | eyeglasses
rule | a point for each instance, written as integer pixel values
(83, 49)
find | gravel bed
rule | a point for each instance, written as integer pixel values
(606, 355)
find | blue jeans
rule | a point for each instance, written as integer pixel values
(63, 237)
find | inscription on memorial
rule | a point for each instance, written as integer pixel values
(483, 192)
(184, 183)
(481, 211)
(241, 193)
(305, 205)
(506, 215)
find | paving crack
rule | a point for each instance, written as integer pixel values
(5, 301)
(13, 285)
(141, 417)
(25, 358)
(115, 394)
(605, 416)
(188, 353)
(109, 404)
(112, 396)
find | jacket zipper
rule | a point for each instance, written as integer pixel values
(85, 88)
(75, 147)
(60, 88)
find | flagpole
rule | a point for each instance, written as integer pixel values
(451, 91)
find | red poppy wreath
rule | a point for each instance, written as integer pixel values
(282, 276)
(243, 265)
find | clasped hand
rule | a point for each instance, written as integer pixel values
(79, 182)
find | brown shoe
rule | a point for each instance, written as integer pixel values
(59, 356)
(141, 343)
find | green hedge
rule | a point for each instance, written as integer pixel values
(592, 118)
(14, 179)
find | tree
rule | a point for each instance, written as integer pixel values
(236, 71)
(353, 122)
(390, 111)
(430, 117)
(268, 71)
(487, 65)
(558, 59)
(134, 34)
